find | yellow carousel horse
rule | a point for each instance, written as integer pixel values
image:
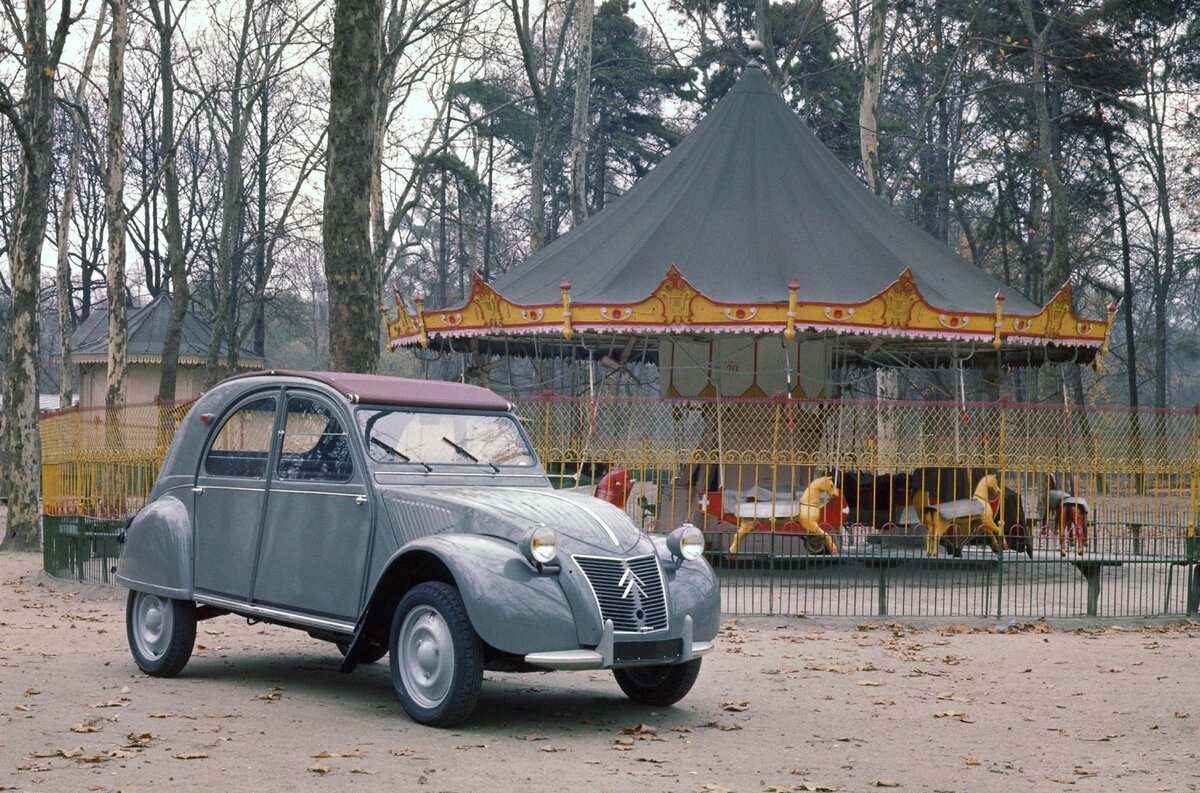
(965, 514)
(806, 513)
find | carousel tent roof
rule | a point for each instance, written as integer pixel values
(748, 201)
(147, 328)
(751, 225)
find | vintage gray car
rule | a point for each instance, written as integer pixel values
(410, 518)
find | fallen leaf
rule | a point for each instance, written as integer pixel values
(736, 707)
(1181, 714)
(86, 726)
(641, 729)
(869, 683)
(191, 756)
(347, 753)
(723, 726)
(320, 769)
(886, 783)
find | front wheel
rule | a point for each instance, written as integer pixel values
(436, 656)
(161, 632)
(658, 685)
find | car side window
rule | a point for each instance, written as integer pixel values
(243, 442)
(315, 447)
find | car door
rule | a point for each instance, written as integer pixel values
(316, 533)
(230, 495)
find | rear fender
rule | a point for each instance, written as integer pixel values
(157, 555)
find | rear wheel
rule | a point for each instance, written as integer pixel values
(658, 685)
(161, 632)
(436, 656)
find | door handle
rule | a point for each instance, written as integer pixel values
(360, 499)
(198, 490)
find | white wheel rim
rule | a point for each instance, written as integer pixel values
(153, 622)
(426, 656)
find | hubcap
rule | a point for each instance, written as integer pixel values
(426, 656)
(152, 625)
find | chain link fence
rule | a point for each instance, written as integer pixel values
(741, 470)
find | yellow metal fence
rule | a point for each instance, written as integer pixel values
(1138, 471)
(101, 463)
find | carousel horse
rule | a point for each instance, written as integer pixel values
(807, 514)
(1070, 514)
(975, 511)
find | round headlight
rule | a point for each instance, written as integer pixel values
(540, 544)
(686, 542)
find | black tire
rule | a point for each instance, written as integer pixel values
(161, 632)
(437, 658)
(366, 655)
(658, 685)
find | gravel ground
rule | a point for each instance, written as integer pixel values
(784, 704)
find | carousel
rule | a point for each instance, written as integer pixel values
(750, 264)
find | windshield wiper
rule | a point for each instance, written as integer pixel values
(468, 455)
(396, 452)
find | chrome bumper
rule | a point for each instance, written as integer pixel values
(603, 656)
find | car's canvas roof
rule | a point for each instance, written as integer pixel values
(386, 390)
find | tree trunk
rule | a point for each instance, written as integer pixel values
(173, 231)
(114, 205)
(868, 107)
(346, 228)
(537, 190)
(1057, 268)
(35, 130)
(63, 269)
(579, 125)
(260, 236)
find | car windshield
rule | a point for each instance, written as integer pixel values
(434, 437)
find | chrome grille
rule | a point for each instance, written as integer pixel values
(629, 592)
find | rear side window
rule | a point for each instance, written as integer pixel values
(244, 441)
(315, 447)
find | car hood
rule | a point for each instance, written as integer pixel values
(584, 524)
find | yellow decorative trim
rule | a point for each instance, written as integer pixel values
(898, 310)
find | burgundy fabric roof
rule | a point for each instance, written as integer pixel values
(386, 390)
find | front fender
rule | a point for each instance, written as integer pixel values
(157, 556)
(512, 606)
(694, 592)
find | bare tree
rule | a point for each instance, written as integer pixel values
(542, 62)
(165, 22)
(66, 211)
(868, 108)
(32, 118)
(114, 205)
(579, 125)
